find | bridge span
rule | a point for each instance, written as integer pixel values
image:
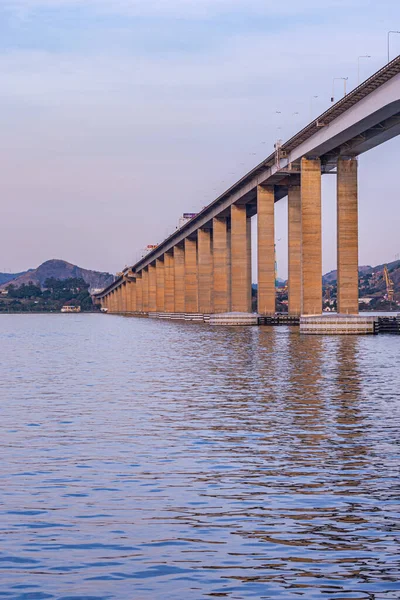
(205, 266)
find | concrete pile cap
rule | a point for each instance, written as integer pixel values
(234, 318)
(335, 317)
(337, 324)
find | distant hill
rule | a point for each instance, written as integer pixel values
(371, 281)
(372, 274)
(7, 277)
(59, 269)
(331, 277)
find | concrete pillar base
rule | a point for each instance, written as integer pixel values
(337, 324)
(235, 319)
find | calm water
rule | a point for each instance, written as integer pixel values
(153, 460)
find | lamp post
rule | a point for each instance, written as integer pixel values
(388, 43)
(344, 79)
(358, 66)
(278, 121)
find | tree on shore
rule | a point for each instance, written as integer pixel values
(57, 292)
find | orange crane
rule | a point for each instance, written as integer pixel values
(389, 284)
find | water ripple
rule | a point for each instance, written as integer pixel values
(170, 460)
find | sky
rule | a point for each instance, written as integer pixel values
(118, 116)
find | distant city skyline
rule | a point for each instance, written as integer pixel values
(118, 117)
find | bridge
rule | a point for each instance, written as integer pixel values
(205, 266)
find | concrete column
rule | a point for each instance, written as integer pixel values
(221, 266)
(240, 291)
(179, 278)
(266, 249)
(128, 301)
(160, 297)
(139, 292)
(114, 301)
(133, 296)
(191, 283)
(294, 250)
(311, 237)
(347, 237)
(169, 283)
(124, 297)
(205, 268)
(145, 286)
(249, 262)
(152, 288)
(130, 287)
(119, 299)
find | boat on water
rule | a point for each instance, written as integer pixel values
(71, 309)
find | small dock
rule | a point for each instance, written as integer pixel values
(388, 325)
(278, 319)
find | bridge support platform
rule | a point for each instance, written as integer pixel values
(337, 324)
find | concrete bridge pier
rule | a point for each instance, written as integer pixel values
(191, 282)
(139, 292)
(179, 278)
(152, 288)
(347, 237)
(132, 286)
(124, 297)
(294, 250)
(205, 270)
(117, 300)
(169, 283)
(114, 301)
(160, 285)
(221, 266)
(113, 304)
(311, 237)
(266, 249)
(240, 259)
(145, 289)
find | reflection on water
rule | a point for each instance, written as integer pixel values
(143, 459)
